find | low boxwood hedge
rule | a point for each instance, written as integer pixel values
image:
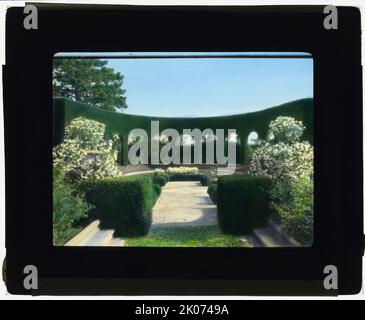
(157, 189)
(162, 174)
(161, 180)
(213, 192)
(123, 203)
(243, 203)
(204, 179)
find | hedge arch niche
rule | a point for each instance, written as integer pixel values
(252, 138)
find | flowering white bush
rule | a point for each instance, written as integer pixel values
(88, 133)
(289, 163)
(283, 157)
(182, 170)
(159, 171)
(286, 129)
(283, 161)
(84, 153)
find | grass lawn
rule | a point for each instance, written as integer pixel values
(202, 236)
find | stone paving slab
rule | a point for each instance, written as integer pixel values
(184, 203)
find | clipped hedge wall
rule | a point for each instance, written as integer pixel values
(123, 203)
(243, 203)
(64, 110)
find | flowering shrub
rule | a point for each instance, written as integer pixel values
(286, 129)
(283, 161)
(159, 171)
(88, 133)
(289, 164)
(182, 170)
(85, 153)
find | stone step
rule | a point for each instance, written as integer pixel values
(270, 237)
(85, 235)
(116, 242)
(100, 238)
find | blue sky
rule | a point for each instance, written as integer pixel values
(213, 86)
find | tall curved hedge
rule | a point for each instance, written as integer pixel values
(64, 110)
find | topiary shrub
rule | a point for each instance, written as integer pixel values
(122, 203)
(205, 180)
(161, 172)
(243, 203)
(156, 189)
(213, 192)
(159, 179)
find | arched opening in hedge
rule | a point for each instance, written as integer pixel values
(252, 138)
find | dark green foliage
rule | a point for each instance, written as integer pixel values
(122, 123)
(156, 189)
(159, 179)
(184, 177)
(205, 180)
(89, 81)
(58, 121)
(123, 203)
(299, 227)
(296, 211)
(213, 192)
(202, 178)
(162, 174)
(243, 203)
(68, 207)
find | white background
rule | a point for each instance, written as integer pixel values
(5, 4)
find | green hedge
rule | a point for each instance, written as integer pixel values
(213, 192)
(69, 207)
(202, 178)
(162, 174)
(243, 203)
(205, 180)
(123, 204)
(157, 189)
(161, 180)
(64, 110)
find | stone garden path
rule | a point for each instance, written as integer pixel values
(184, 203)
